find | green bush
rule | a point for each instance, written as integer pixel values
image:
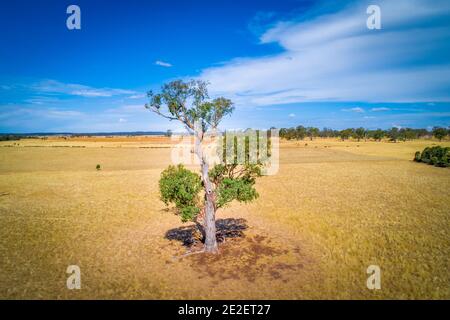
(437, 156)
(98, 167)
(417, 156)
(444, 162)
(181, 187)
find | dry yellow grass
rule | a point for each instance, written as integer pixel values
(333, 209)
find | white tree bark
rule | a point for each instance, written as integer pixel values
(210, 205)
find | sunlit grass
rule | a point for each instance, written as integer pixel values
(333, 209)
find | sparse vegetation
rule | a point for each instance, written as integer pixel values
(317, 225)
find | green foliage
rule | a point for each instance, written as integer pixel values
(408, 134)
(417, 156)
(235, 189)
(439, 133)
(235, 182)
(181, 187)
(98, 167)
(360, 133)
(9, 137)
(312, 132)
(345, 134)
(393, 134)
(188, 213)
(188, 102)
(300, 132)
(433, 161)
(327, 133)
(437, 156)
(377, 135)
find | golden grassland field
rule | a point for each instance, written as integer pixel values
(333, 209)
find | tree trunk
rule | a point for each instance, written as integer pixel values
(210, 212)
(210, 202)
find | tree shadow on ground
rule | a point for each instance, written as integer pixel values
(226, 228)
(242, 256)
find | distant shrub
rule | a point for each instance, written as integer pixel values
(98, 167)
(437, 156)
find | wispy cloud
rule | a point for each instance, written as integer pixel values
(14, 112)
(355, 109)
(163, 64)
(258, 24)
(63, 113)
(380, 109)
(56, 87)
(334, 57)
(138, 96)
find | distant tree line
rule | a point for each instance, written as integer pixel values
(15, 137)
(9, 137)
(394, 134)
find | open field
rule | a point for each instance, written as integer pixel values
(333, 209)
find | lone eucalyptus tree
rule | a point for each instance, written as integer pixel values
(189, 103)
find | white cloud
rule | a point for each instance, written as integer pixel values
(63, 113)
(292, 115)
(356, 109)
(138, 96)
(163, 64)
(121, 120)
(18, 111)
(334, 57)
(56, 87)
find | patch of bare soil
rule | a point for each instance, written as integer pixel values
(242, 255)
(249, 258)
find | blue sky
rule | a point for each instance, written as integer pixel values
(283, 63)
